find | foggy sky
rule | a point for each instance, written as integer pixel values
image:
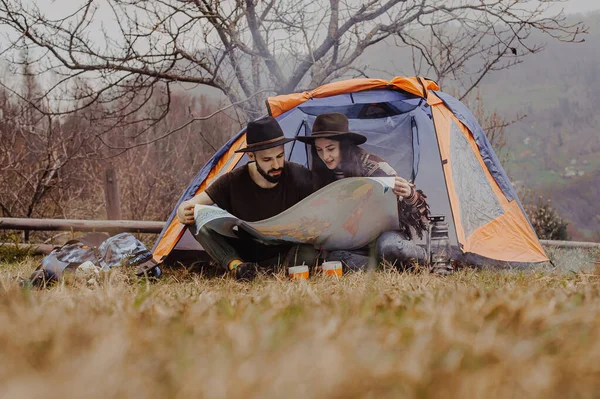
(572, 6)
(105, 18)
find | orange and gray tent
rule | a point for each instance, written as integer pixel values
(427, 136)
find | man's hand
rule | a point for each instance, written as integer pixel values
(185, 212)
(402, 188)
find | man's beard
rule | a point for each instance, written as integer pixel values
(267, 176)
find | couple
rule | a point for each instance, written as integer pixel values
(268, 185)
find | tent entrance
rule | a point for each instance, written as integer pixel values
(393, 138)
(400, 131)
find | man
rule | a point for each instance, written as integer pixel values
(263, 188)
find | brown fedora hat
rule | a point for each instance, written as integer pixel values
(332, 126)
(263, 134)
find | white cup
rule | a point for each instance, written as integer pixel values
(298, 272)
(332, 268)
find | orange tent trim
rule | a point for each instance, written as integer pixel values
(417, 86)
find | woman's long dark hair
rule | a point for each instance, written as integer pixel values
(350, 164)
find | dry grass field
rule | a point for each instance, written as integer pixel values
(476, 334)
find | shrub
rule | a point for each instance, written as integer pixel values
(10, 250)
(546, 221)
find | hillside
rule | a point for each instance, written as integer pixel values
(554, 150)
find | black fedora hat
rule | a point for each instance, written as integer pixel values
(262, 134)
(332, 126)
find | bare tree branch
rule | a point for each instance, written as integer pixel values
(113, 70)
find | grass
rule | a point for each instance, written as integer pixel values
(476, 334)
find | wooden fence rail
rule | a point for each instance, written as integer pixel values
(570, 244)
(137, 226)
(35, 249)
(109, 226)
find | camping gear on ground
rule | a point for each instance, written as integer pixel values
(87, 268)
(427, 136)
(95, 250)
(332, 268)
(125, 250)
(67, 258)
(439, 251)
(298, 272)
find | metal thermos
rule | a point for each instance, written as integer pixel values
(438, 245)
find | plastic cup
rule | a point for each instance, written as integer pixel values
(298, 272)
(332, 268)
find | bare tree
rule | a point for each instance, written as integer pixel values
(36, 153)
(152, 177)
(52, 166)
(247, 49)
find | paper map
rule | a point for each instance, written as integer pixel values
(346, 214)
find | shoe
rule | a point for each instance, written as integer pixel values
(246, 271)
(152, 273)
(148, 268)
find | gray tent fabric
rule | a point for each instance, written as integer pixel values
(485, 148)
(430, 175)
(416, 148)
(477, 202)
(390, 138)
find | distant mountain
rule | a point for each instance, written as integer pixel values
(555, 149)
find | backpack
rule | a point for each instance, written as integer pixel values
(98, 248)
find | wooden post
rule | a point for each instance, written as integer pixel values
(111, 195)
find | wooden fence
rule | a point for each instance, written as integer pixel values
(153, 227)
(109, 226)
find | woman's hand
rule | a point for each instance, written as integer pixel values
(185, 212)
(402, 188)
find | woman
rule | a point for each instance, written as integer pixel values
(336, 155)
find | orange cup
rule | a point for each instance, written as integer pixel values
(332, 268)
(298, 272)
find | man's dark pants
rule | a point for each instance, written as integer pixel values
(224, 249)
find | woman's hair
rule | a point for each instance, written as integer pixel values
(350, 164)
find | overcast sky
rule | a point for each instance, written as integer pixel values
(56, 9)
(57, 6)
(581, 5)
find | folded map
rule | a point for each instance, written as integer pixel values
(346, 214)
